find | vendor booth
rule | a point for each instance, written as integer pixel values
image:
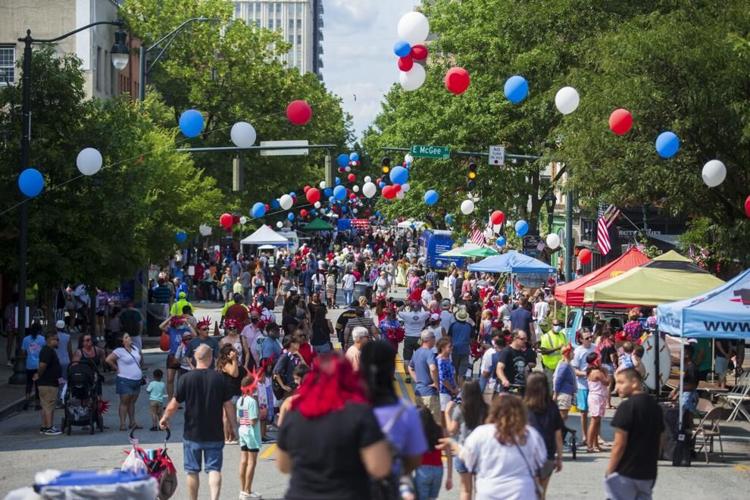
(317, 225)
(512, 262)
(265, 236)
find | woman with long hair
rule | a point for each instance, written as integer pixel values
(233, 372)
(505, 454)
(330, 441)
(544, 416)
(461, 419)
(92, 355)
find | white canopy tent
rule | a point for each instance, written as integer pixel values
(265, 236)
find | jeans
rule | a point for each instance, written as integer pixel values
(619, 487)
(348, 297)
(427, 481)
(210, 453)
(322, 348)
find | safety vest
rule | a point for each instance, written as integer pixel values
(552, 340)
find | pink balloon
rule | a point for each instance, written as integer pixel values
(299, 112)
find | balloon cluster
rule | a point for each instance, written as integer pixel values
(413, 29)
(31, 181)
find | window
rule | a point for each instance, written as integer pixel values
(97, 65)
(270, 24)
(278, 8)
(299, 39)
(7, 64)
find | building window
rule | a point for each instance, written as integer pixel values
(7, 64)
(98, 65)
(299, 39)
(278, 8)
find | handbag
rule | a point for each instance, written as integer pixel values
(164, 341)
(534, 475)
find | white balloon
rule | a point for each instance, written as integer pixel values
(405, 187)
(89, 161)
(567, 100)
(322, 184)
(368, 178)
(205, 230)
(412, 79)
(553, 241)
(286, 202)
(369, 189)
(467, 207)
(354, 210)
(317, 204)
(279, 224)
(714, 173)
(243, 220)
(347, 169)
(400, 195)
(243, 135)
(355, 188)
(413, 28)
(408, 158)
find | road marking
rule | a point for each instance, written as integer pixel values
(397, 387)
(268, 452)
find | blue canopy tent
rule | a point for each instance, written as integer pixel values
(723, 312)
(512, 262)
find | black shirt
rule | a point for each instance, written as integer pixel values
(641, 417)
(235, 383)
(547, 423)
(515, 363)
(325, 453)
(204, 393)
(53, 371)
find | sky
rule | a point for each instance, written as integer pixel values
(358, 57)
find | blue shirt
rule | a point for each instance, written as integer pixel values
(579, 363)
(520, 319)
(446, 372)
(33, 346)
(421, 361)
(460, 333)
(565, 378)
(157, 391)
(270, 348)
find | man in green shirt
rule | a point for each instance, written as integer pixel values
(182, 302)
(550, 345)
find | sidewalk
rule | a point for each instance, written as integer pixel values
(11, 396)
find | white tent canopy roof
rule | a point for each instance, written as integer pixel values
(265, 236)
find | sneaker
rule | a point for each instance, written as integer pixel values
(42, 430)
(52, 431)
(254, 495)
(244, 495)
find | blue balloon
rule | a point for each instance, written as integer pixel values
(381, 184)
(431, 197)
(402, 48)
(667, 144)
(399, 175)
(448, 219)
(500, 241)
(339, 192)
(290, 216)
(522, 227)
(31, 182)
(313, 212)
(293, 194)
(337, 181)
(181, 236)
(342, 160)
(275, 204)
(378, 214)
(191, 123)
(516, 89)
(354, 157)
(258, 210)
(328, 192)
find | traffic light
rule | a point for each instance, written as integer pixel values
(386, 165)
(471, 176)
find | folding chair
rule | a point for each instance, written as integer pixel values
(739, 394)
(707, 430)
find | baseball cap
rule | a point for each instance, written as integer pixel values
(434, 317)
(60, 324)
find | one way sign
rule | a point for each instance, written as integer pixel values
(497, 155)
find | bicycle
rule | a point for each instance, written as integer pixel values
(572, 444)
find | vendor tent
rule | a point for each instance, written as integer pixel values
(723, 312)
(318, 225)
(511, 262)
(265, 236)
(571, 294)
(459, 251)
(667, 278)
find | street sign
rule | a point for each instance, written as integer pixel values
(437, 152)
(497, 155)
(283, 152)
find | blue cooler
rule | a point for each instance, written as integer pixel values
(106, 484)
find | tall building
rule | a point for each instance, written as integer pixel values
(300, 23)
(52, 18)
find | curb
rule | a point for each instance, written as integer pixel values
(11, 409)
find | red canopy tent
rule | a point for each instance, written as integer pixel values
(571, 294)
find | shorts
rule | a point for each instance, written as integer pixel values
(444, 400)
(461, 364)
(721, 366)
(597, 405)
(246, 439)
(172, 362)
(251, 450)
(564, 401)
(582, 402)
(689, 401)
(210, 454)
(432, 403)
(459, 465)
(126, 386)
(156, 406)
(48, 397)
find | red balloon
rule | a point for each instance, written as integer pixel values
(299, 112)
(497, 217)
(313, 195)
(397, 187)
(303, 213)
(747, 206)
(419, 52)
(457, 80)
(405, 63)
(353, 196)
(305, 188)
(226, 221)
(389, 192)
(585, 256)
(620, 121)
(352, 177)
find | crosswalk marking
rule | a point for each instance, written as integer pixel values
(268, 452)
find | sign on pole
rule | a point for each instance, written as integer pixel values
(283, 152)
(435, 152)
(497, 155)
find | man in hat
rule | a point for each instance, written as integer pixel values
(461, 333)
(179, 304)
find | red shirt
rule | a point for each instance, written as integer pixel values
(307, 353)
(433, 457)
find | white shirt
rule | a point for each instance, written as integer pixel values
(348, 281)
(541, 309)
(128, 363)
(413, 322)
(501, 471)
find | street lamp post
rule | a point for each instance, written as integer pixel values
(120, 54)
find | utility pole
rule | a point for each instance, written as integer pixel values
(569, 253)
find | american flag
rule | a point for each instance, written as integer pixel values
(606, 219)
(361, 223)
(476, 236)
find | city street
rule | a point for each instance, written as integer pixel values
(23, 449)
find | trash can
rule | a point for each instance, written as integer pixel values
(363, 288)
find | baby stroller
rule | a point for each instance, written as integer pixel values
(156, 463)
(80, 400)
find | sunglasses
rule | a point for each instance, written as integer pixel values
(587, 338)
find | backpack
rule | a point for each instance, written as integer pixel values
(388, 487)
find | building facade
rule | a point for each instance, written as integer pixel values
(300, 23)
(52, 18)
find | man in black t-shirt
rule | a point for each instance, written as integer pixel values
(514, 363)
(638, 424)
(47, 380)
(206, 397)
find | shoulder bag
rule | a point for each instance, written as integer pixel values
(534, 475)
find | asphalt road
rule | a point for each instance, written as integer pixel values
(23, 452)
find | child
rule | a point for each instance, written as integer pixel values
(625, 359)
(266, 399)
(157, 397)
(249, 417)
(597, 399)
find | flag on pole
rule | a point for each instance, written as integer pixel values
(606, 219)
(476, 235)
